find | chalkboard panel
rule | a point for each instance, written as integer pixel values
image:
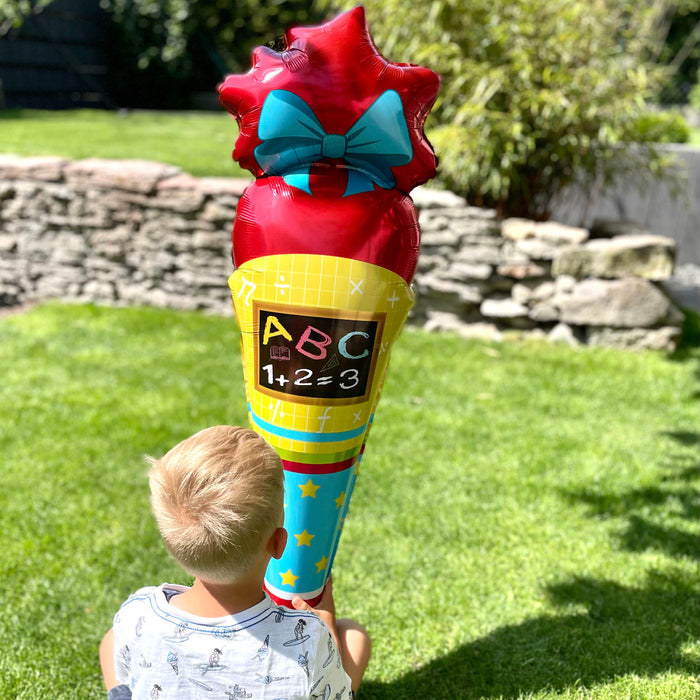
(313, 356)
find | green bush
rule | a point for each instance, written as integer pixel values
(663, 127)
(694, 97)
(537, 95)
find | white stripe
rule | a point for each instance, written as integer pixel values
(286, 595)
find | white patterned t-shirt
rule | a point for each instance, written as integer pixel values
(267, 652)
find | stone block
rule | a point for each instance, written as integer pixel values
(176, 200)
(564, 284)
(544, 312)
(511, 255)
(503, 309)
(46, 168)
(99, 290)
(463, 271)
(536, 249)
(216, 241)
(643, 255)
(228, 189)
(440, 321)
(69, 249)
(441, 237)
(8, 243)
(547, 231)
(516, 229)
(216, 212)
(179, 181)
(561, 333)
(521, 271)
(426, 198)
(428, 262)
(132, 175)
(560, 234)
(532, 290)
(490, 254)
(433, 287)
(626, 303)
(665, 338)
(475, 230)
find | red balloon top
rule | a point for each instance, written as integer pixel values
(330, 96)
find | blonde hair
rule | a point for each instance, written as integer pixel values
(217, 497)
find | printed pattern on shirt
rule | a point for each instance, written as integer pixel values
(267, 652)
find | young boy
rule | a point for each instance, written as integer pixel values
(218, 500)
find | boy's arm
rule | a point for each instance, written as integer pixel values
(109, 673)
(115, 691)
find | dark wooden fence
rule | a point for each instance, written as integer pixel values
(56, 60)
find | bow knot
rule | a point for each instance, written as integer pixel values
(293, 139)
(334, 146)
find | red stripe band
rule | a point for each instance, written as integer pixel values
(301, 468)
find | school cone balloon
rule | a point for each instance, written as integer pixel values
(325, 244)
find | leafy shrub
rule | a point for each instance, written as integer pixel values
(694, 97)
(663, 127)
(537, 95)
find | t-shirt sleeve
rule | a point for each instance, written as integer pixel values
(126, 633)
(329, 677)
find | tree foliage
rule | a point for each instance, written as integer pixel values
(167, 47)
(14, 12)
(537, 95)
(675, 43)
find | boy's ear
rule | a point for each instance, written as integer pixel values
(277, 543)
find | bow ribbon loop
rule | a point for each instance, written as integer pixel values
(293, 140)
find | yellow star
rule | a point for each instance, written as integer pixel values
(304, 538)
(340, 500)
(309, 489)
(321, 565)
(288, 578)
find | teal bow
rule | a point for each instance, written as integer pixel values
(293, 139)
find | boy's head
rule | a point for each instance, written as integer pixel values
(217, 497)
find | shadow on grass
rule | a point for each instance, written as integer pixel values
(690, 337)
(616, 630)
(624, 630)
(648, 510)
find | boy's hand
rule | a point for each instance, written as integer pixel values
(325, 609)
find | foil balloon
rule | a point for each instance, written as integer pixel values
(325, 245)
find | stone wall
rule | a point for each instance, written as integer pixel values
(142, 233)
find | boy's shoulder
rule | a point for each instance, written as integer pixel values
(164, 590)
(154, 602)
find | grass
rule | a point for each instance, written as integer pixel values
(525, 524)
(199, 143)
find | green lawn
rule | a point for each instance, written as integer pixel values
(198, 142)
(525, 524)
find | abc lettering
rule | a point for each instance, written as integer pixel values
(313, 342)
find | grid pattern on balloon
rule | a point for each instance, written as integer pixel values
(298, 284)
